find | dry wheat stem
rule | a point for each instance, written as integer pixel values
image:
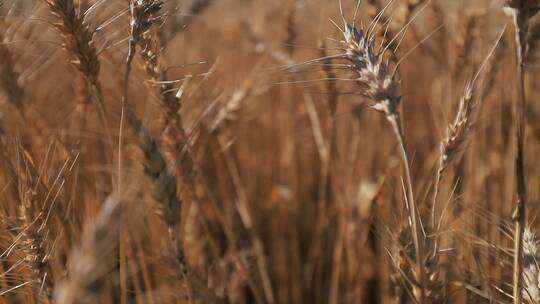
(382, 86)
(521, 11)
(395, 121)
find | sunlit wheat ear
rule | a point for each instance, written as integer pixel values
(382, 86)
(459, 131)
(373, 74)
(531, 273)
(144, 14)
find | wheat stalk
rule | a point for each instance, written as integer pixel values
(144, 16)
(522, 11)
(382, 85)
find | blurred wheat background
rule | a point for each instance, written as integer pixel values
(231, 151)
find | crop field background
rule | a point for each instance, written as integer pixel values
(286, 151)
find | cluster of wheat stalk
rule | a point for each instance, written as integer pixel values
(162, 151)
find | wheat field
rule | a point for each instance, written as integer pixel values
(287, 151)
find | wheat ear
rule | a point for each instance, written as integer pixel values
(175, 138)
(382, 85)
(164, 186)
(78, 39)
(32, 215)
(460, 130)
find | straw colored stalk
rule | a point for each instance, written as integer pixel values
(380, 84)
(521, 11)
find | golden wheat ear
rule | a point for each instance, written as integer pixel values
(380, 83)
